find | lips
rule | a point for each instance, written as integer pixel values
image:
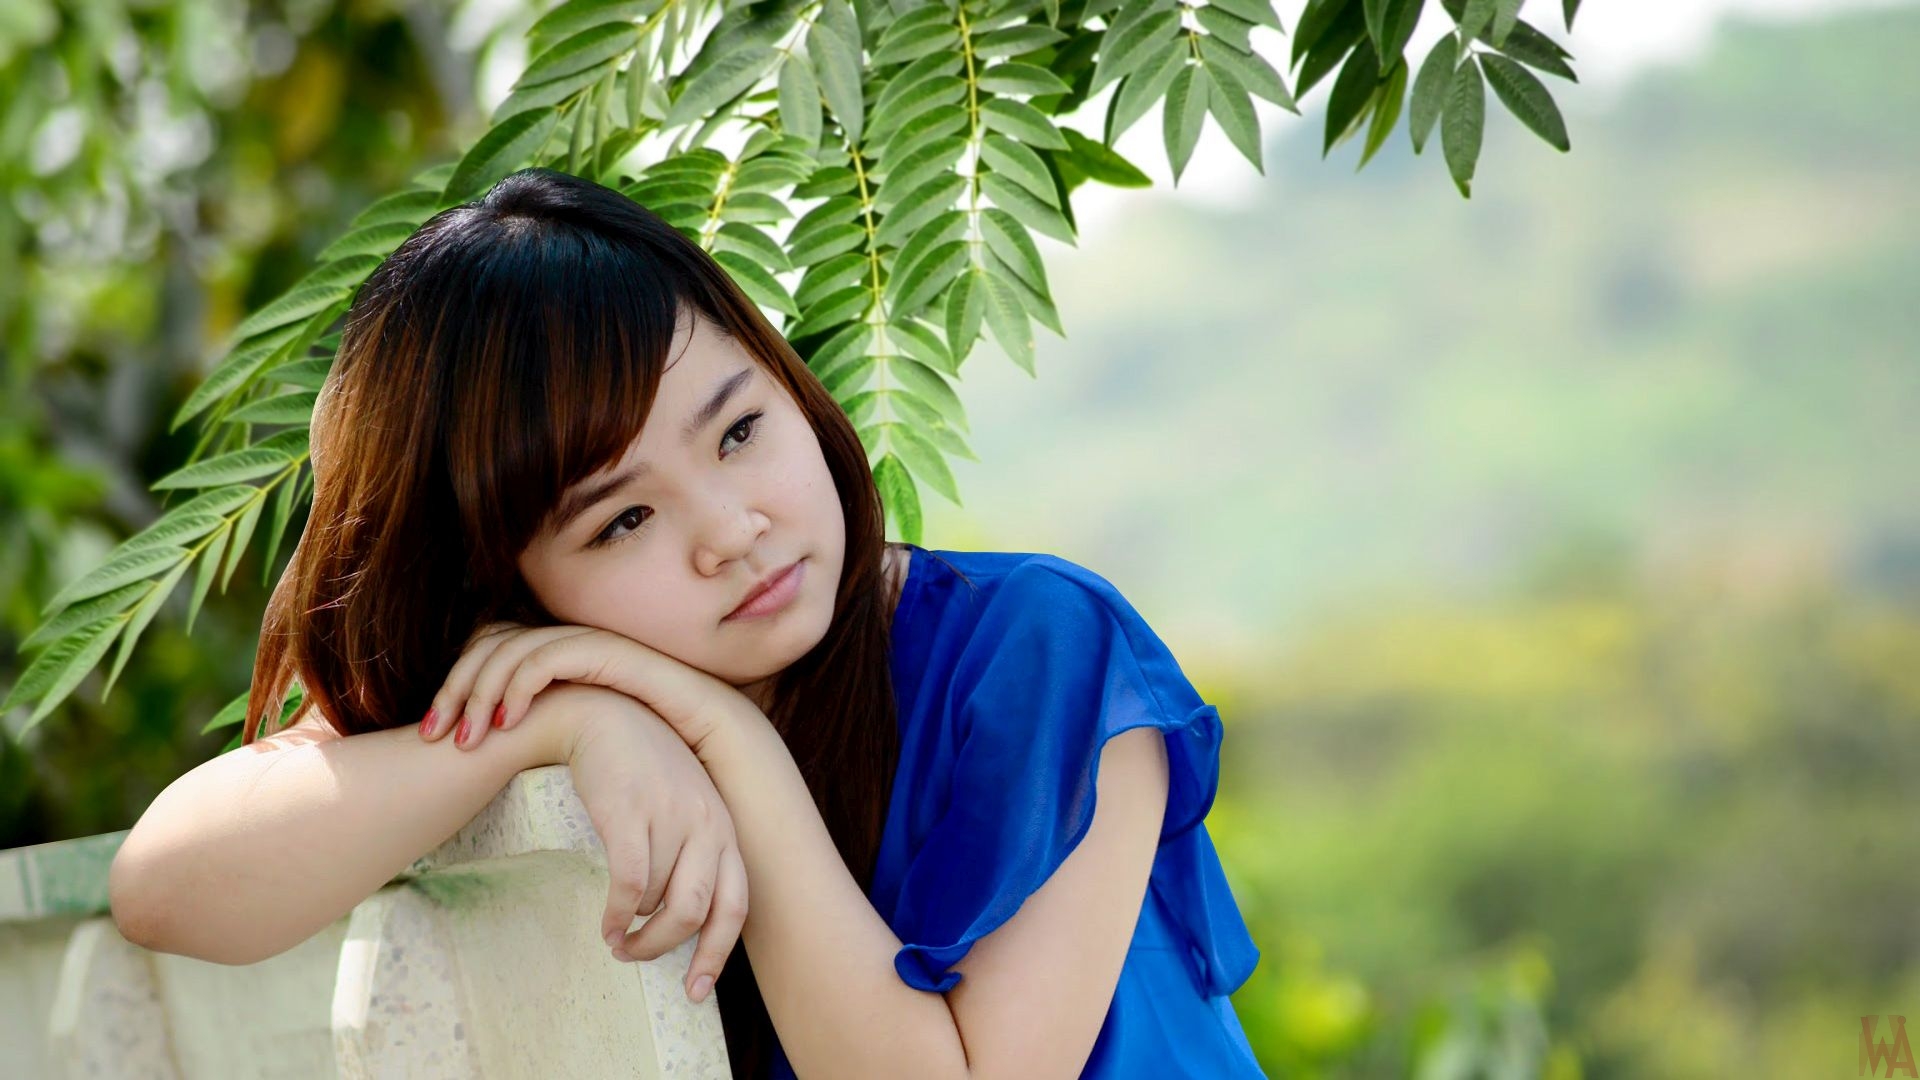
(766, 585)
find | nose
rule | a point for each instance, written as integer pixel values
(729, 529)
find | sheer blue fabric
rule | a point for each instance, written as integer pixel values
(1012, 671)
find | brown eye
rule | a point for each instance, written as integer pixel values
(748, 426)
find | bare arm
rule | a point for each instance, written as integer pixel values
(257, 850)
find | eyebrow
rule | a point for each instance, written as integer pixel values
(583, 498)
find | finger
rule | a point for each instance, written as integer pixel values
(725, 918)
(515, 691)
(689, 898)
(484, 705)
(629, 866)
(450, 699)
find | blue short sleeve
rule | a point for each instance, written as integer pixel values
(1060, 663)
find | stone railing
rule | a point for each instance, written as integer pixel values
(483, 959)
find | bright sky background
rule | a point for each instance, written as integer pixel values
(1610, 40)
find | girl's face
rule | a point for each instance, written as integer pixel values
(724, 489)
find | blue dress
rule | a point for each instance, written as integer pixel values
(1011, 671)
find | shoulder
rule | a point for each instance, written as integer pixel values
(1033, 585)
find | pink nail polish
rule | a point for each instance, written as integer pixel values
(426, 725)
(460, 733)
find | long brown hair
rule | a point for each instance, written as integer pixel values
(507, 349)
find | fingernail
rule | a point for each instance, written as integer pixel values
(426, 725)
(500, 715)
(613, 939)
(460, 733)
(700, 987)
(621, 955)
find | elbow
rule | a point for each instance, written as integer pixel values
(145, 916)
(134, 914)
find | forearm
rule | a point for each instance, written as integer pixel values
(257, 850)
(822, 956)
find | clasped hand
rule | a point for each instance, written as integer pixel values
(638, 751)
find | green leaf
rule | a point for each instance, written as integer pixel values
(897, 494)
(837, 64)
(945, 92)
(283, 501)
(233, 712)
(1014, 77)
(209, 567)
(930, 386)
(1316, 20)
(137, 624)
(1376, 14)
(1141, 89)
(929, 278)
(752, 243)
(914, 44)
(1505, 13)
(374, 240)
(838, 308)
(915, 76)
(1184, 114)
(310, 373)
(576, 15)
(753, 278)
(1527, 98)
(291, 307)
(1232, 105)
(830, 276)
(403, 207)
(1007, 319)
(800, 98)
(293, 408)
(229, 468)
(1348, 30)
(1015, 40)
(1461, 124)
(1101, 162)
(1034, 214)
(1225, 27)
(54, 674)
(136, 565)
(922, 458)
(728, 77)
(844, 346)
(1254, 11)
(949, 225)
(242, 533)
(1248, 70)
(1125, 52)
(835, 239)
(176, 528)
(1430, 89)
(1537, 51)
(1006, 238)
(1037, 303)
(590, 48)
(1570, 8)
(1023, 122)
(1474, 20)
(916, 340)
(1021, 165)
(920, 206)
(1402, 17)
(80, 615)
(915, 169)
(237, 368)
(966, 306)
(1352, 92)
(755, 208)
(1389, 97)
(500, 151)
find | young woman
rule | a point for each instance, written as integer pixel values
(572, 488)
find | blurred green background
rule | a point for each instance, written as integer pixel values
(1554, 557)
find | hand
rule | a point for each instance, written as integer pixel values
(506, 664)
(667, 832)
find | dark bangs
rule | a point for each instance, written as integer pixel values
(552, 333)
